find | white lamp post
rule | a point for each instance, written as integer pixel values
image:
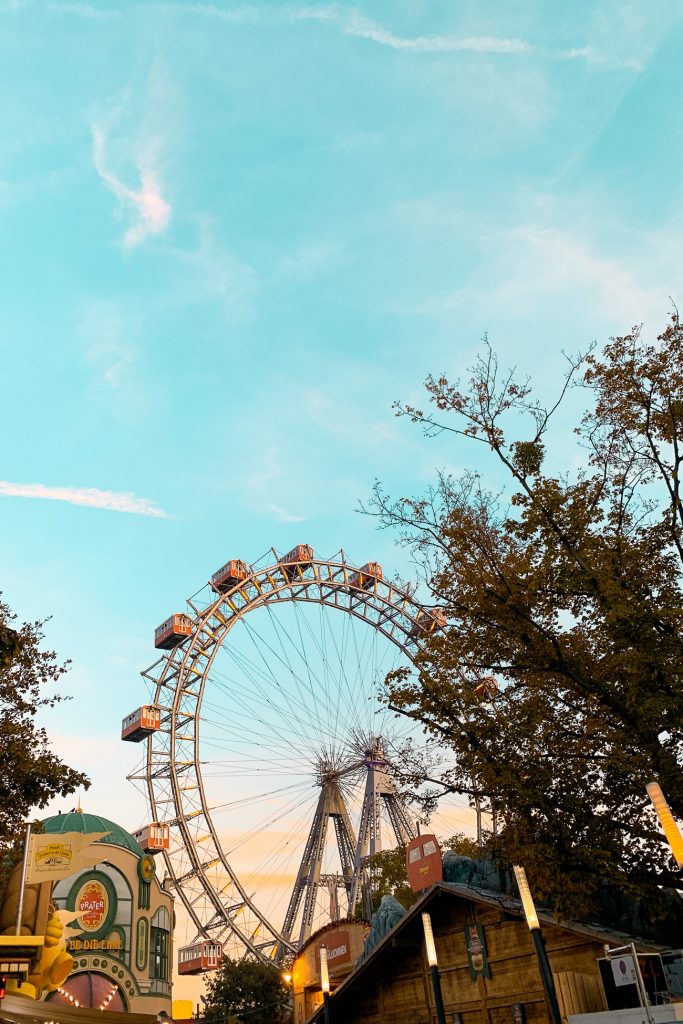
(539, 944)
(434, 968)
(325, 983)
(666, 820)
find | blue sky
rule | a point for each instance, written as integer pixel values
(232, 235)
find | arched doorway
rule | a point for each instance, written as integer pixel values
(92, 990)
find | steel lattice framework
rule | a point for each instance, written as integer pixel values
(172, 770)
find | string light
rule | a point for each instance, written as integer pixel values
(67, 995)
(109, 998)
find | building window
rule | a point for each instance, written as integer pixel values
(159, 945)
(159, 953)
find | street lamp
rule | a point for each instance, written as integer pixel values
(434, 968)
(539, 944)
(325, 983)
(666, 820)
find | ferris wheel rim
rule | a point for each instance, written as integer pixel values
(331, 579)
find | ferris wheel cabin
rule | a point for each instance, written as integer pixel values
(366, 578)
(428, 621)
(229, 576)
(172, 632)
(199, 957)
(301, 555)
(486, 688)
(141, 723)
(153, 838)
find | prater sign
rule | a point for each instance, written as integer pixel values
(92, 905)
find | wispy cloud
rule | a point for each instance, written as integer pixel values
(212, 271)
(152, 212)
(107, 345)
(553, 262)
(349, 22)
(353, 23)
(283, 516)
(91, 497)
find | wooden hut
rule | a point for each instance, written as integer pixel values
(488, 968)
(344, 943)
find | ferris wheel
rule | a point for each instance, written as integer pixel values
(270, 761)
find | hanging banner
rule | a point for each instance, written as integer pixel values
(51, 857)
(476, 951)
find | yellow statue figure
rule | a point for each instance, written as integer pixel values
(55, 963)
(40, 918)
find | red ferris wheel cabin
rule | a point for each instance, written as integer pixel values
(172, 632)
(153, 838)
(301, 555)
(141, 723)
(423, 862)
(229, 575)
(366, 577)
(428, 620)
(205, 955)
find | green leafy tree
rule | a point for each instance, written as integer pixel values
(464, 845)
(30, 773)
(565, 588)
(387, 871)
(246, 990)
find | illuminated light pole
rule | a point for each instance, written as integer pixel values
(667, 821)
(325, 983)
(289, 982)
(434, 968)
(539, 944)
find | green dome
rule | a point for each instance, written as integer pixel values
(76, 821)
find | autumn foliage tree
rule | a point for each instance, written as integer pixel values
(565, 585)
(30, 773)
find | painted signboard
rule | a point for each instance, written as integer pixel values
(338, 944)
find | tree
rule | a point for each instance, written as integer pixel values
(566, 588)
(30, 773)
(387, 870)
(246, 990)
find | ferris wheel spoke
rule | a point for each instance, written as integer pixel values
(254, 712)
(238, 725)
(313, 705)
(303, 704)
(258, 694)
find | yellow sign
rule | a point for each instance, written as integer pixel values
(52, 857)
(85, 944)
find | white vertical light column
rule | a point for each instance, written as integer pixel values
(667, 821)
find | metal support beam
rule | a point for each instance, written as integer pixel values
(379, 789)
(331, 804)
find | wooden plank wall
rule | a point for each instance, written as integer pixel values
(398, 989)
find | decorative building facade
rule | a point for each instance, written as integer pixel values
(122, 930)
